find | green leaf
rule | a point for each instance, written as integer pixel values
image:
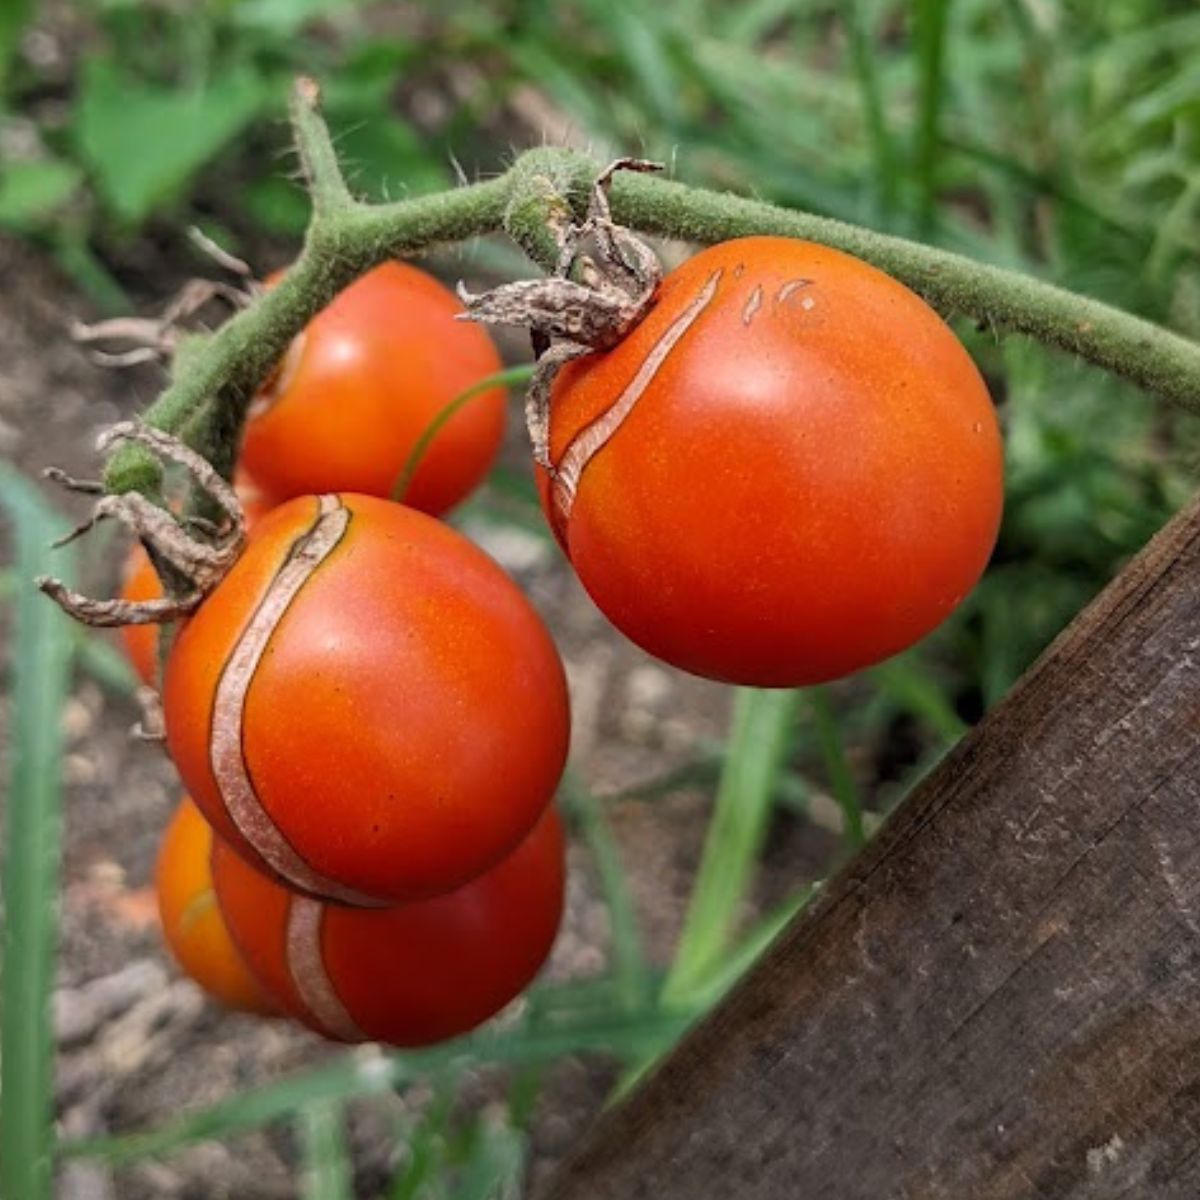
(42, 644)
(143, 143)
(31, 191)
(14, 14)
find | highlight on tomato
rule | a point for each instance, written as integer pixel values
(366, 705)
(789, 470)
(407, 975)
(361, 385)
(192, 924)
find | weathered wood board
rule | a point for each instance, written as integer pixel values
(1000, 999)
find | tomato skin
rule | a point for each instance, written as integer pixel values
(362, 384)
(412, 974)
(192, 924)
(811, 481)
(407, 722)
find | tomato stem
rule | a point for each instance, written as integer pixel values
(544, 188)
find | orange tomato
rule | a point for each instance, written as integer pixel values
(366, 705)
(192, 923)
(409, 975)
(361, 385)
(790, 470)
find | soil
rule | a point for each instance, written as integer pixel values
(139, 1043)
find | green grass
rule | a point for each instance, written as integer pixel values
(41, 647)
(1061, 138)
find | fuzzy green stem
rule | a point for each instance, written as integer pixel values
(1154, 358)
(543, 189)
(318, 160)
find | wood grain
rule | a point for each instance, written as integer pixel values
(1000, 999)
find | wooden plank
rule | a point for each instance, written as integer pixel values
(1001, 998)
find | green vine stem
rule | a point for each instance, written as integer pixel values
(537, 194)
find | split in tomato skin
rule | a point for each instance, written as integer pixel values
(408, 975)
(192, 923)
(360, 386)
(405, 722)
(807, 482)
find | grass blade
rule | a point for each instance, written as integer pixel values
(763, 727)
(43, 640)
(863, 57)
(930, 37)
(369, 1072)
(629, 966)
(841, 780)
(325, 1162)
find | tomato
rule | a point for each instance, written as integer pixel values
(361, 385)
(141, 582)
(366, 704)
(790, 470)
(191, 920)
(411, 974)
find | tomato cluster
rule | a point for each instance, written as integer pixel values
(369, 717)
(788, 469)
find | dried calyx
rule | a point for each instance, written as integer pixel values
(590, 302)
(154, 339)
(200, 561)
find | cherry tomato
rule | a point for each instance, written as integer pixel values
(361, 385)
(367, 704)
(790, 470)
(141, 582)
(408, 975)
(191, 920)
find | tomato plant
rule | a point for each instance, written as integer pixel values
(410, 974)
(366, 704)
(191, 920)
(363, 382)
(790, 469)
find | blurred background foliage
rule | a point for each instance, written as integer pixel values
(1059, 137)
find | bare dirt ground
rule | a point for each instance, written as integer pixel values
(139, 1043)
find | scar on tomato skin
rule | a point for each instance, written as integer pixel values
(593, 437)
(226, 752)
(790, 288)
(739, 270)
(752, 305)
(306, 966)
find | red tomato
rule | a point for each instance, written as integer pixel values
(361, 385)
(141, 582)
(367, 704)
(789, 470)
(191, 920)
(408, 975)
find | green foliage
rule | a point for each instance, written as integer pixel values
(175, 132)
